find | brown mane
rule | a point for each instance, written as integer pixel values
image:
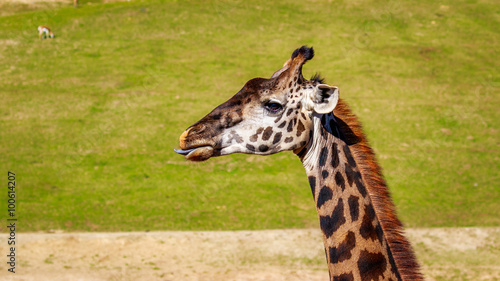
(371, 173)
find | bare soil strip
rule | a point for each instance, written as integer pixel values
(446, 254)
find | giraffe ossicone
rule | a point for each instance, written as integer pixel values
(362, 236)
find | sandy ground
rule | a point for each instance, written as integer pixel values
(53, 1)
(446, 254)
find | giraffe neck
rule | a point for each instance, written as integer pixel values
(356, 229)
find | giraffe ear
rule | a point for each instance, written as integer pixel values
(325, 98)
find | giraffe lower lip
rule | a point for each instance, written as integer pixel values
(200, 153)
(185, 151)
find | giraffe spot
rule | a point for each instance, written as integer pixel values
(349, 175)
(234, 136)
(335, 156)
(323, 156)
(312, 183)
(290, 125)
(299, 105)
(339, 180)
(344, 277)
(348, 155)
(360, 186)
(325, 194)
(250, 147)
(324, 174)
(371, 265)
(248, 100)
(282, 125)
(323, 134)
(234, 102)
(367, 230)
(370, 211)
(301, 153)
(277, 137)
(353, 207)
(289, 111)
(254, 138)
(290, 84)
(303, 115)
(263, 148)
(343, 251)
(302, 143)
(300, 128)
(330, 224)
(217, 116)
(238, 138)
(267, 133)
(288, 139)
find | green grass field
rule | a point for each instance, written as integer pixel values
(89, 120)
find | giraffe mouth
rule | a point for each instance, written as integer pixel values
(200, 153)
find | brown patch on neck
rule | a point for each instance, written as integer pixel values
(392, 227)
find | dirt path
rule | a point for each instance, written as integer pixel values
(446, 254)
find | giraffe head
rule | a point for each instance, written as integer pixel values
(265, 117)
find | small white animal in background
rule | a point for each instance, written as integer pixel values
(44, 32)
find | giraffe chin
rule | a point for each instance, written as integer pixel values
(197, 154)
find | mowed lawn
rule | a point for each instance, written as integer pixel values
(89, 120)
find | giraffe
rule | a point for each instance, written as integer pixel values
(362, 235)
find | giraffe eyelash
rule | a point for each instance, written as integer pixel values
(273, 106)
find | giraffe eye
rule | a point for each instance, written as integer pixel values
(273, 107)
